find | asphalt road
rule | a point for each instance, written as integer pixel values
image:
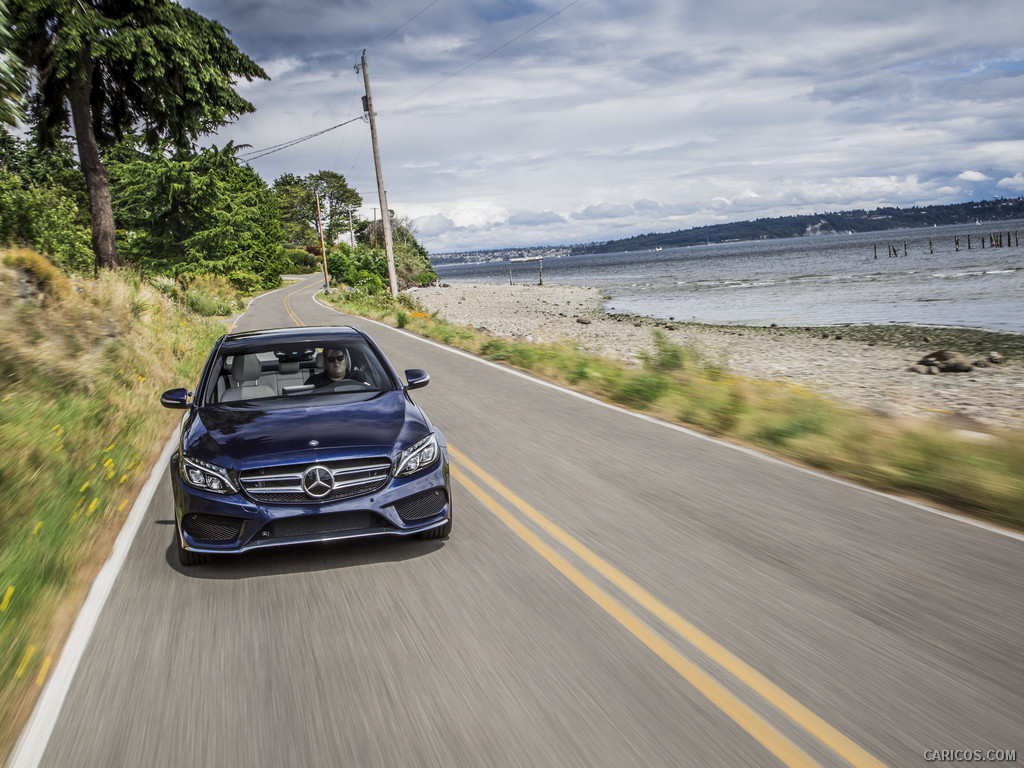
(616, 592)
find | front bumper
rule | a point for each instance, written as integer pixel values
(227, 524)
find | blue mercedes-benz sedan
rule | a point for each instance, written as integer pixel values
(303, 435)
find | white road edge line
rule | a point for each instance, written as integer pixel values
(743, 449)
(35, 737)
(28, 752)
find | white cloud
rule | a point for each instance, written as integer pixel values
(433, 225)
(536, 219)
(477, 214)
(604, 211)
(1014, 183)
(281, 67)
(768, 109)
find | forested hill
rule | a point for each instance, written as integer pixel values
(819, 224)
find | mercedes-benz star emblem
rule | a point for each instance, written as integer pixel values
(314, 443)
(317, 481)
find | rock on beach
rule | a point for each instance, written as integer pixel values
(871, 373)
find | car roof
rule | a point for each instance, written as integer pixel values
(313, 335)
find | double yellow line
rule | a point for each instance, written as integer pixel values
(777, 743)
(774, 741)
(288, 306)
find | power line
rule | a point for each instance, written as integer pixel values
(258, 153)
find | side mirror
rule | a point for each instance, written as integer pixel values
(416, 378)
(175, 398)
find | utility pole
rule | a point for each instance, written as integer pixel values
(385, 215)
(323, 249)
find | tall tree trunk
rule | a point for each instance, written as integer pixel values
(97, 181)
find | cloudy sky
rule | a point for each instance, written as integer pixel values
(531, 122)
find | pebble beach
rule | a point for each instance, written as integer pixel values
(860, 366)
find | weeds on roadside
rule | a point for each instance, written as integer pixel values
(677, 384)
(81, 425)
(211, 296)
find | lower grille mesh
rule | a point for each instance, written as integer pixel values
(422, 505)
(211, 527)
(321, 525)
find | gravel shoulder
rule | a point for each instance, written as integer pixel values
(864, 366)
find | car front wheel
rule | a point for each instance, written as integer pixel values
(186, 557)
(439, 533)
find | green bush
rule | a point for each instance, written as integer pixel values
(245, 281)
(207, 304)
(210, 296)
(640, 390)
(368, 282)
(670, 357)
(796, 418)
(168, 286)
(301, 261)
(46, 219)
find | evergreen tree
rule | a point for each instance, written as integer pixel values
(297, 199)
(43, 202)
(193, 214)
(109, 67)
(412, 261)
(11, 74)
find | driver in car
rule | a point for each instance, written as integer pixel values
(336, 365)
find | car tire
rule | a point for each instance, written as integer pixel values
(186, 557)
(439, 533)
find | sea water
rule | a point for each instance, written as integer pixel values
(804, 281)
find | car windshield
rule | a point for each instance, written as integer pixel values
(347, 369)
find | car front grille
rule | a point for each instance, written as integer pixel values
(211, 527)
(283, 484)
(422, 505)
(323, 525)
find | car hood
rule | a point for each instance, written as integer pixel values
(249, 436)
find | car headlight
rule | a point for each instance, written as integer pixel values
(417, 456)
(205, 476)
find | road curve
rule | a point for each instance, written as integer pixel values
(616, 592)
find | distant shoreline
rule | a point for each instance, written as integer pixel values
(860, 365)
(989, 214)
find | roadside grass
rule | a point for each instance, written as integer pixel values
(983, 478)
(82, 364)
(205, 295)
